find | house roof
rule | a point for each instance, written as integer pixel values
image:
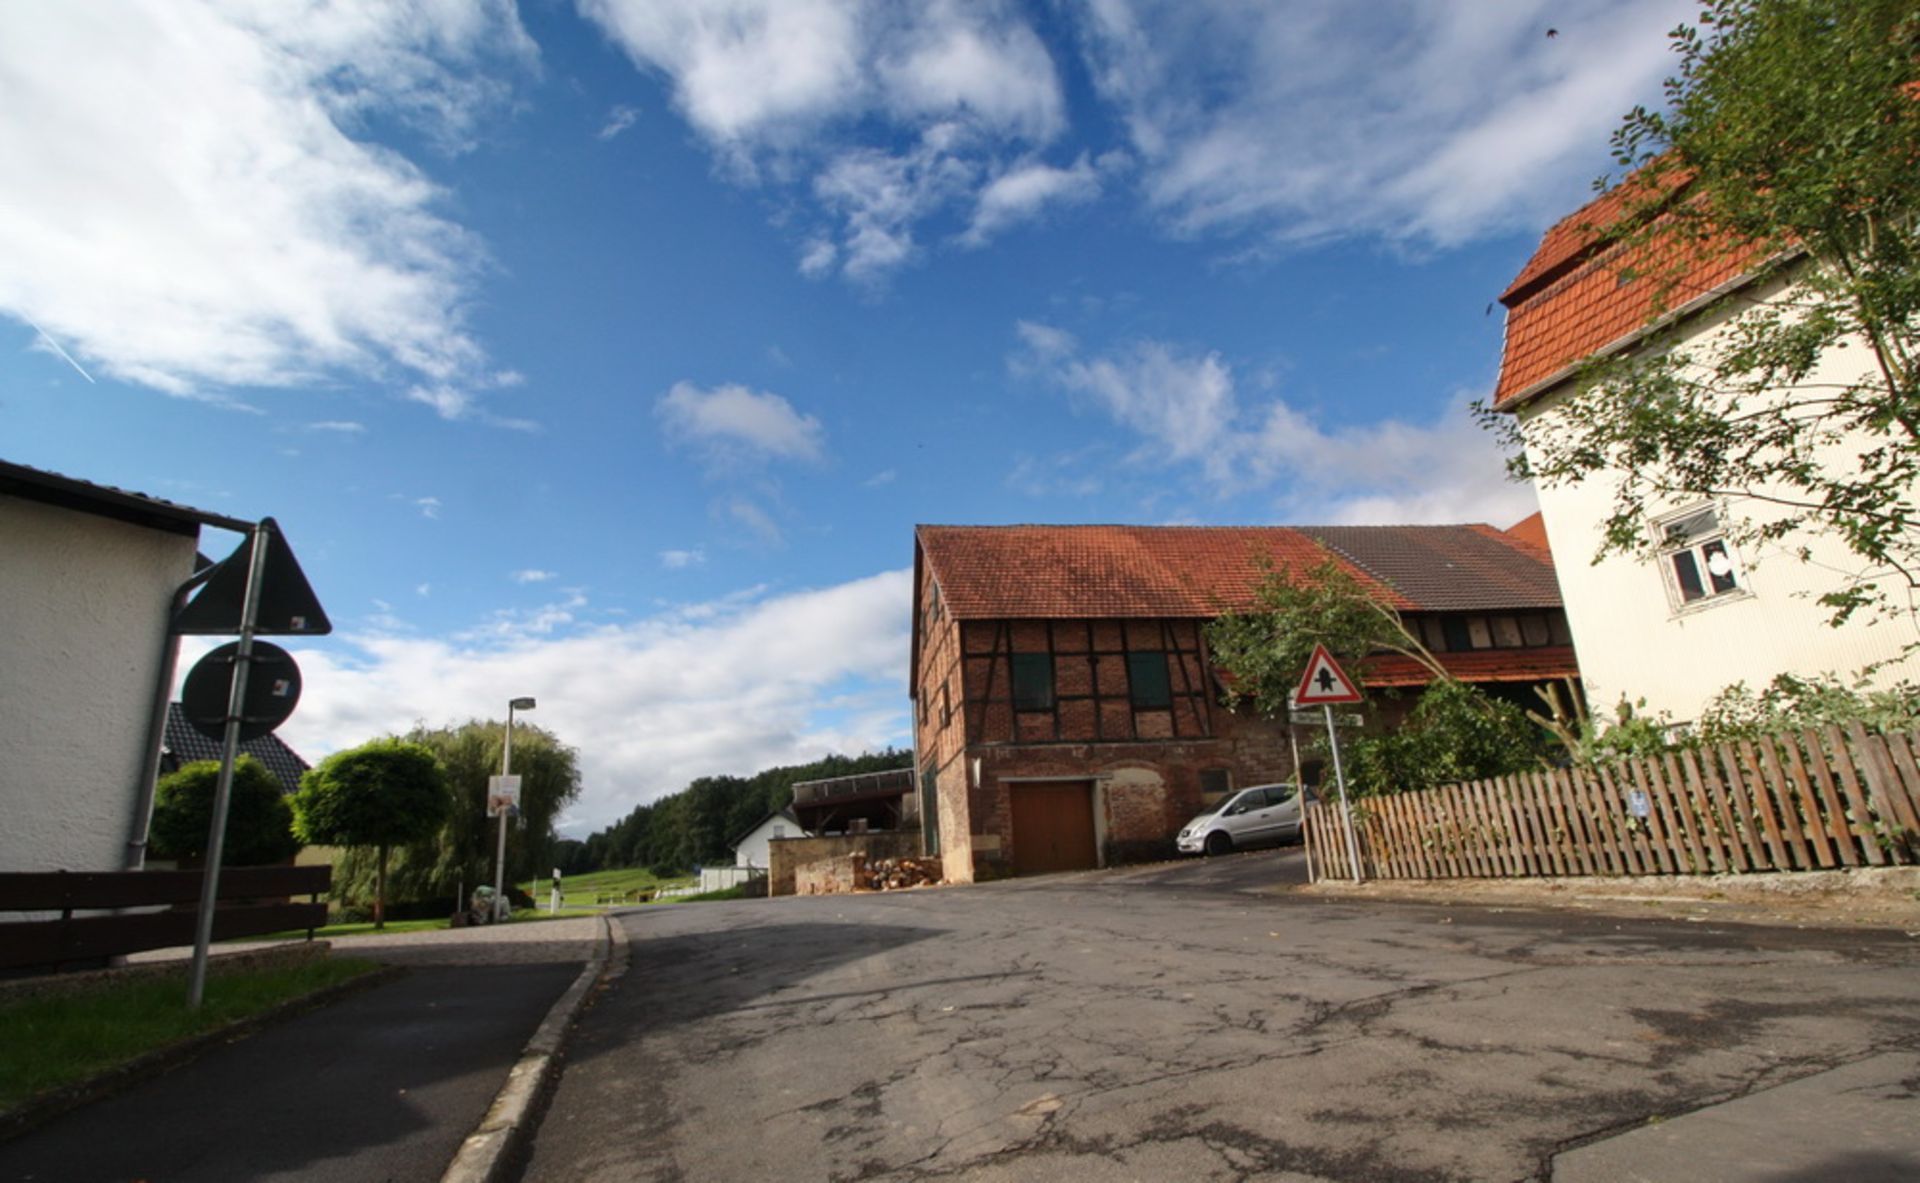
(987, 572)
(138, 509)
(1475, 665)
(1532, 530)
(185, 746)
(1571, 301)
(1448, 568)
(776, 815)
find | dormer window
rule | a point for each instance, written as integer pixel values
(1699, 564)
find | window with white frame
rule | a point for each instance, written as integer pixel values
(1699, 564)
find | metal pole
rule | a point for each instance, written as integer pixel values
(500, 854)
(136, 859)
(1346, 811)
(223, 790)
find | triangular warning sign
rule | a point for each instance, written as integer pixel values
(288, 606)
(1325, 683)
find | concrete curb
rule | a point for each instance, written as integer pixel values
(37, 1111)
(492, 1153)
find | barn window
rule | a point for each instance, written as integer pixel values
(1033, 681)
(1147, 681)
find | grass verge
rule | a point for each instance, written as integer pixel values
(725, 893)
(51, 1041)
(612, 887)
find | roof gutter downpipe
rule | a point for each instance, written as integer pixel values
(139, 832)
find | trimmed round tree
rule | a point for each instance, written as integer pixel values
(381, 794)
(259, 823)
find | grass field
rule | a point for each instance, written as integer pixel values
(52, 1041)
(585, 891)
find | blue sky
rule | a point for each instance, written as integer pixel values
(607, 351)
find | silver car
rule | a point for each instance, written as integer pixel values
(1251, 817)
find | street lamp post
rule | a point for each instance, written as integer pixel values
(506, 769)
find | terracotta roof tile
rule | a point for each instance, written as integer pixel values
(988, 572)
(1570, 301)
(1531, 531)
(1476, 665)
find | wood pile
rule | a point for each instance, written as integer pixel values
(892, 874)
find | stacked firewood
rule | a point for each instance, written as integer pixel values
(891, 874)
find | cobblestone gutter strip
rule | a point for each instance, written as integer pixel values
(37, 1111)
(1876, 897)
(495, 1150)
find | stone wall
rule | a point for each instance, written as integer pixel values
(786, 856)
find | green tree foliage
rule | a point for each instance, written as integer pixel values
(1791, 703)
(1792, 129)
(1455, 732)
(259, 821)
(457, 855)
(381, 794)
(1266, 650)
(693, 826)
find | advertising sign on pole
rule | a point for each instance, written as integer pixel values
(503, 795)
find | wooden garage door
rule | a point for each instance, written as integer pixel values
(1053, 826)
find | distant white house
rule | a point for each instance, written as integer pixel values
(87, 584)
(750, 848)
(1704, 612)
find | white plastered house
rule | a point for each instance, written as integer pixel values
(750, 849)
(1700, 611)
(88, 579)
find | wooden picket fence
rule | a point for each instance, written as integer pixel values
(1817, 799)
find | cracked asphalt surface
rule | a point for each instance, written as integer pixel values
(1190, 1022)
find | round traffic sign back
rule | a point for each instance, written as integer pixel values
(273, 690)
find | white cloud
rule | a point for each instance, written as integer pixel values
(680, 560)
(1408, 120)
(338, 427)
(423, 590)
(732, 421)
(532, 575)
(188, 207)
(1186, 409)
(619, 119)
(429, 507)
(727, 687)
(1020, 193)
(822, 91)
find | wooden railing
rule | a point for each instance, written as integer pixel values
(1816, 799)
(253, 901)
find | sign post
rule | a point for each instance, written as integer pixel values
(1323, 685)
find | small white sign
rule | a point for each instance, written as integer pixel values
(503, 795)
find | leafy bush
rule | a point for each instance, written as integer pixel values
(1789, 703)
(259, 822)
(1455, 732)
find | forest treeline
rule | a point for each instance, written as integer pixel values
(693, 826)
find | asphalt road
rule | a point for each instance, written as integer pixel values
(382, 1085)
(1191, 1023)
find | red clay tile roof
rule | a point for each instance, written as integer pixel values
(1475, 665)
(1448, 568)
(1569, 301)
(988, 572)
(1531, 531)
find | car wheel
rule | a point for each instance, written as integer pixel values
(1219, 843)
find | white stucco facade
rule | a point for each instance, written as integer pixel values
(751, 851)
(1635, 635)
(83, 617)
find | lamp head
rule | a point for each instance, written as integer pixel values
(521, 704)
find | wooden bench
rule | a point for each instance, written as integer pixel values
(253, 901)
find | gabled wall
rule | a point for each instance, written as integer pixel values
(83, 616)
(1632, 638)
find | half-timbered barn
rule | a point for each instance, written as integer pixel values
(1067, 712)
